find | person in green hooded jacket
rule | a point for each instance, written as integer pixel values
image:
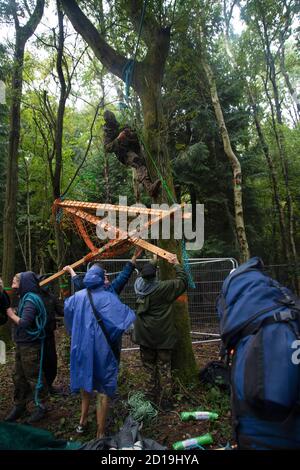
(154, 328)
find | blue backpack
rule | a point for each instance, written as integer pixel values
(259, 325)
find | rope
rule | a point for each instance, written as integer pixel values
(59, 212)
(140, 408)
(163, 181)
(37, 333)
(170, 195)
(128, 69)
(187, 266)
(127, 75)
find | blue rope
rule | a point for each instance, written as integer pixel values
(59, 212)
(127, 75)
(128, 69)
(186, 265)
(185, 256)
(37, 333)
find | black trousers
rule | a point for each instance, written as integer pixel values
(50, 360)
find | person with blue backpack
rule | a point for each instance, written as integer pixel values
(96, 319)
(29, 335)
(260, 330)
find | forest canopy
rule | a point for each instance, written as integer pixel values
(245, 53)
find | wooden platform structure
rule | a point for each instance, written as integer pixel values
(83, 217)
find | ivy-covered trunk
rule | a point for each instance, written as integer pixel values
(10, 207)
(234, 162)
(155, 138)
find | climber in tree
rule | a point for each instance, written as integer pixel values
(125, 144)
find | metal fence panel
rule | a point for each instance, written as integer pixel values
(208, 275)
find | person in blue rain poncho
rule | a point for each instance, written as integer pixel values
(116, 286)
(94, 363)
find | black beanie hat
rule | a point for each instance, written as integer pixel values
(148, 271)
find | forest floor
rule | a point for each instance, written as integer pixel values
(165, 428)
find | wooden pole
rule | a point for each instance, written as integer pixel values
(81, 261)
(111, 207)
(135, 241)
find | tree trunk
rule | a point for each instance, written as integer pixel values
(155, 135)
(280, 141)
(10, 207)
(273, 176)
(60, 245)
(11, 194)
(288, 83)
(28, 215)
(193, 198)
(235, 164)
(106, 178)
(277, 126)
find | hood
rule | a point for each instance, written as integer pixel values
(94, 277)
(29, 282)
(144, 287)
(252, 263)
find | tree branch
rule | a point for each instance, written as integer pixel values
(87, 149)
(110, 58)
(31, 25)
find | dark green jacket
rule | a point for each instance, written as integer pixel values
(154, 327)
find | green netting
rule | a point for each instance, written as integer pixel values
(22, 437)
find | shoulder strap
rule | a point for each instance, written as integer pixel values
(101, 324)
(287, 317)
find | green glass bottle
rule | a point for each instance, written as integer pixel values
(198, 415)
(193, 442)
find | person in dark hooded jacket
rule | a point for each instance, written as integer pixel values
(28, 334)
(95, 318)
(154, 328)
(54, 308)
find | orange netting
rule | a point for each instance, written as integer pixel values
(87, 232)
(83, 218)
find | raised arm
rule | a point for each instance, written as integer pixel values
(173, 288)
(75, 279)
(121, 280)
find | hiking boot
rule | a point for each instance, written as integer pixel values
(155, 188)
(37, 415)
(81, 428)
(55, 390)
(15, 413)
(166, 405)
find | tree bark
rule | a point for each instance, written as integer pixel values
(235, 164)
(63, 95)
(288, 83)
(28, 215)
(280, 141)
(273, 176)
(11, 194)
(10, 207)
(278, 122)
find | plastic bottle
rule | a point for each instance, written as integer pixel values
(199, 415)
(193, 442)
